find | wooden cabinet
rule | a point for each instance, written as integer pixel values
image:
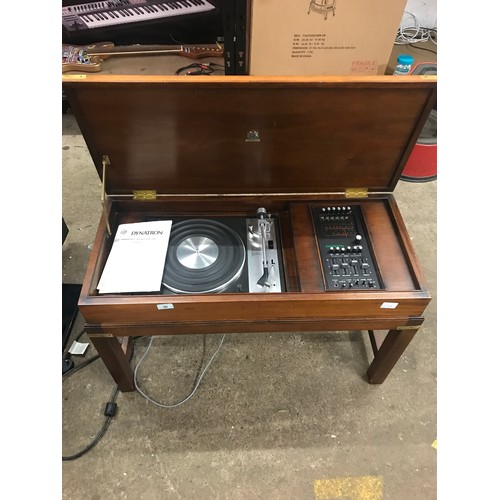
(221, 148)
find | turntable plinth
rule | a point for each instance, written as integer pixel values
(330, 251)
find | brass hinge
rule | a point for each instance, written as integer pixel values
(105, 163)
(356, 193)
(144, 194)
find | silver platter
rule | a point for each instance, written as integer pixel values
(197, 252)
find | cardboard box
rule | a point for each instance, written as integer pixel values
(323, 37)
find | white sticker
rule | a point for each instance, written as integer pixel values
(78, 348)
(161, 307)
(389, 305)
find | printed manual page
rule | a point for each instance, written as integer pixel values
(137, 258)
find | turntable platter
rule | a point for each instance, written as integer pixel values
(197, 252)
(204, 256)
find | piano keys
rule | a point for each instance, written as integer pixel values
(141, 21)
(96, 15)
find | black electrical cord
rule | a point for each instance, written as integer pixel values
(79, 336)
(422, 48)
(79, 367)
(109, 411)
(199, 69)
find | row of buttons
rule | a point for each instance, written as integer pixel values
(338, 210)
(347, 249)
(354, 283)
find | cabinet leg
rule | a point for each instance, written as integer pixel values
(111, 352)
(388, 354)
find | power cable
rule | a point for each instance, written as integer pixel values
(80, 366)
(111, 406)
(109, 412)
(422, 48)
(198, 381)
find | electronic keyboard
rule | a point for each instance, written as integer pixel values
(117, 13)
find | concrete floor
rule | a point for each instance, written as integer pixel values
(276, 416)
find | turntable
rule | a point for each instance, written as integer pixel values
(224, 255)
(280, 195)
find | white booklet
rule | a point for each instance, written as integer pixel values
(137, 258)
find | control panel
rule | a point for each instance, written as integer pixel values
(346, 257)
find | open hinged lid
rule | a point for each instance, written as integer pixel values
(250, 135)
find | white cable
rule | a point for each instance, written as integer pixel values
(433, 35)
(192, 392)
(404, 32)
(414, 33)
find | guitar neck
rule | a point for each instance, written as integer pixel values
(125, 50)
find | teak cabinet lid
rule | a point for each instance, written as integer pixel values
(250, 135)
